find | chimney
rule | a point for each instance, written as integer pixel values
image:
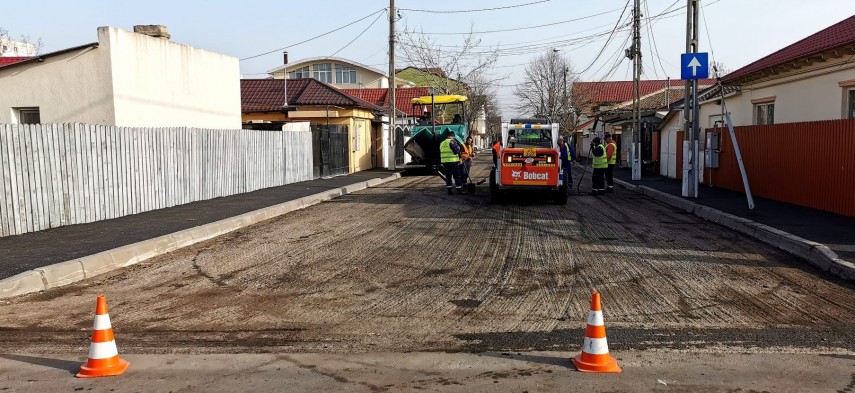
(285, 77)
(156, 31)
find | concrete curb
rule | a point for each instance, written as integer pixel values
(818, 255)
(68, 272)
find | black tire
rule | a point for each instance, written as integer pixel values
(561, 196)
(495, 197)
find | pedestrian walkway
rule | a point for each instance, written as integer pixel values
(38, 249)
(835, 231)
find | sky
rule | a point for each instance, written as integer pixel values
(735, 32)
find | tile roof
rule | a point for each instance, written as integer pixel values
(620, 91)
(657, 99)
(264, 95)
(10, 60)
(835, 36)
(380, 97)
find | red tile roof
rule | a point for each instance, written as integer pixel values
(10, 60)
(836, 36)
(380, 97)
(265, 95)
(620, 91)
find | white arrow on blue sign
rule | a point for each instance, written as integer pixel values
(694, 66)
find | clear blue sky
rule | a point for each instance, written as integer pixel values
(740, 31)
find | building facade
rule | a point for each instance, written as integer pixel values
(124, 79)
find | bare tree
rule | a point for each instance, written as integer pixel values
(546, 90)
(461, 69)
(719, 69)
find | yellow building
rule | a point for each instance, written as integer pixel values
(263, 106)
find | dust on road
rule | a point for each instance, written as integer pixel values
(404, 267)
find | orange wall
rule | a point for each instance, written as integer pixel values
(810, 164)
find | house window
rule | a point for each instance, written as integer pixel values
(851, 107)
(300, 73)
(764, 113)
(345, 74)
(27, 115)
(322, 72)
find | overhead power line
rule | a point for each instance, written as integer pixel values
(317, 36)
(522, 28)
(475, 10)
(357, 37)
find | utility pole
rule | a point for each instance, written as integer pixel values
(636, 96)
(690, 109)
(393, 133)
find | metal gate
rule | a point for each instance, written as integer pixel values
(331, 152)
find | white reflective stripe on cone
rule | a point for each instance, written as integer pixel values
(103, 350)
(595, 318)
(596, 346)
(102, 322)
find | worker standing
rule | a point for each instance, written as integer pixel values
(611, 161)
(497, 148)
(567, 155)
(600, 164)
(449, 155)
(466, 154)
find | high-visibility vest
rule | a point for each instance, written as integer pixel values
(466, 152)
(496, 148)
(601, 162)
(447, 155)
(613, 160)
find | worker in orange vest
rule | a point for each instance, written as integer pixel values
(497, 147)
(466, 154)
(611, 160)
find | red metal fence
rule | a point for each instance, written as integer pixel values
(810, 164)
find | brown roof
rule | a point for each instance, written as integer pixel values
(836, 36)
(266, 95)
(657, 100)
(620, 91)
(380, 97)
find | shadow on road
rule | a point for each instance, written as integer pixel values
(71, 366)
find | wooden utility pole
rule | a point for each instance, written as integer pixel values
(690, 109)
(636, 96)
(393, 133)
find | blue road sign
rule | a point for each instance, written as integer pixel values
(694, 66)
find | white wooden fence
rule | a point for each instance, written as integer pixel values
(61, 174)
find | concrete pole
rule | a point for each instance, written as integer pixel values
(392, 111)
(636, 97)
(690, 158)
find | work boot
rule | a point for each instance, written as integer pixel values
(449, 190)
(602, 192)
(459, 191)
(610, 189)
(594, 193)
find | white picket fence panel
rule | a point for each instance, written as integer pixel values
(53, 175)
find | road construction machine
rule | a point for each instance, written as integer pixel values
(528, 162)
(442, 115)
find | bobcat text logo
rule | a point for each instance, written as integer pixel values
(535, 176)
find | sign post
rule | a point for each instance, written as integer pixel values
(693, 66)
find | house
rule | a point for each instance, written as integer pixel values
(810, 80)
(380, 97)
(16, 48)
(611, 104)
(338, 72)
(264, 105)
(139, 79)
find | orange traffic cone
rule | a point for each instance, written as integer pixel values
(103, 358)
(595, 356)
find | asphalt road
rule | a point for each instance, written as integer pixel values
(404, 267)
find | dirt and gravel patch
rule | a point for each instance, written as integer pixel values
(404, 267)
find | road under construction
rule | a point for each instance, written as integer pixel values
(403, 268)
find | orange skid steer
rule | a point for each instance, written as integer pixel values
(528, 163)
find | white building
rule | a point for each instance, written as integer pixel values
(13, 48)
(339, 72)
(124, 79)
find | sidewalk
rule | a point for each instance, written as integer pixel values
(38, 249)
(835, 231)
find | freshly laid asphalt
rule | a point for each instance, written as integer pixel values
(835, 231)
(38, 249)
